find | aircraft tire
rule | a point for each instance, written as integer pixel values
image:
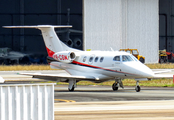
(114, 87)
(137, 88)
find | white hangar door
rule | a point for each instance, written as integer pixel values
(122, 24)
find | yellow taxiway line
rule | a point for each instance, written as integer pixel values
(62, 100)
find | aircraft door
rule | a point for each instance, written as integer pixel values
(117, 63)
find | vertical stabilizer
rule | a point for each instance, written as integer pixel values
(51, 40)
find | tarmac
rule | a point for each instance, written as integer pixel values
(115, 110)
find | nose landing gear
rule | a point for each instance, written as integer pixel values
(115, 86)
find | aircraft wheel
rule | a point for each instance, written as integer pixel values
(114, 87)
(72, 89)
(137, 88)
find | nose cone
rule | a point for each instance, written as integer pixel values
(144, 71)
(141, 70)
(147, 72)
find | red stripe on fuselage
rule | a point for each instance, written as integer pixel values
(50, 52)
(78, 63)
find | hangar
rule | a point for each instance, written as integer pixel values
(97, 24)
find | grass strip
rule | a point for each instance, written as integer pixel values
(161, 66)
(24, 67)
(47, 67)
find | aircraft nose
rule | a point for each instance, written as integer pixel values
(146, 72)
(141, 70)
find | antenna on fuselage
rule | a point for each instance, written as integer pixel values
(111, 49)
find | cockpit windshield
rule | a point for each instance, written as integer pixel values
(127, 58)
(135, 59)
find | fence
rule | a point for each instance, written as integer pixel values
(27, 101)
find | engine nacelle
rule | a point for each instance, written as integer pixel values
(64, 56)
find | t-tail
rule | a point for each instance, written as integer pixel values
(51, 40)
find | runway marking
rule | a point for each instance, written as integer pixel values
(64, 100)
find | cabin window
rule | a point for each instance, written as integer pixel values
(84, 59)
(116, 58)
(126, 58)
(101, 59)
(90, 59)
(96, 59)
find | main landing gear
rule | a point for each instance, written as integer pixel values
(118, 83)
(72, 84)
(115, 86)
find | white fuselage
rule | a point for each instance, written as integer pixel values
(106, 65)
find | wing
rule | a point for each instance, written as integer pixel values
(55, 77)
(159, 76)
(159, 71)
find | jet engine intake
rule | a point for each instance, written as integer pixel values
(65, 56)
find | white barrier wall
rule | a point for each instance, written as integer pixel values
(102, 24)
(122, 24)
(27, 102)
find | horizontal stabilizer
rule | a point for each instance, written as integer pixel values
(40, 26)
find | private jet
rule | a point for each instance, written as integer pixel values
(94, 66)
